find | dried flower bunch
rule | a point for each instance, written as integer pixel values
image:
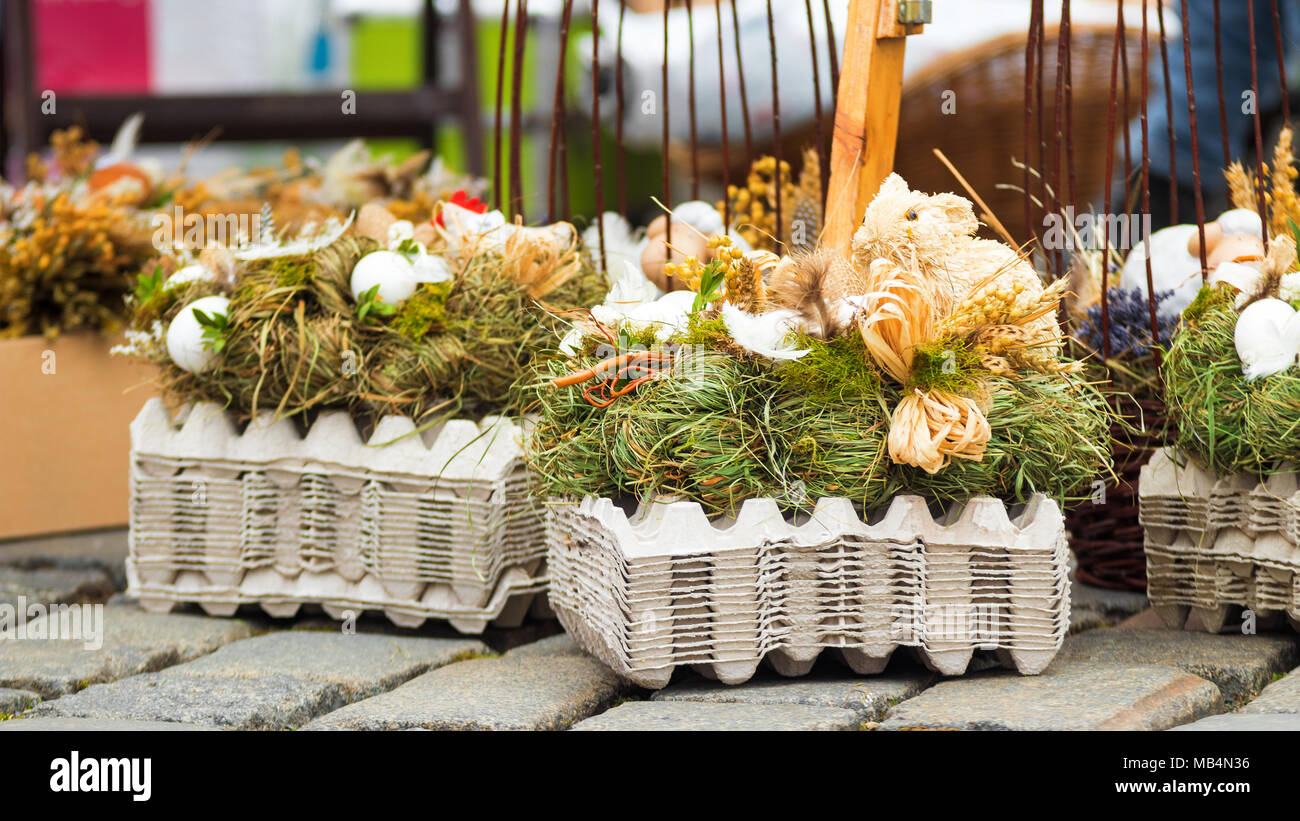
(70, 240)
(753, 207)
(1280, 197)
(921, 359)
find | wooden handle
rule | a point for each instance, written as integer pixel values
(866, 115)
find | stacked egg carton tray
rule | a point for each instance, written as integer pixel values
(1218, 545)
(418, 525)
(666, 588)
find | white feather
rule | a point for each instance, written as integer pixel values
(764, 334)
(125, 140)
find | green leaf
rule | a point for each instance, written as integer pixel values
(215, 327)
(370, 303)
(712, 276)
(147, 285)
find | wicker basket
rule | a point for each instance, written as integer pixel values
(987, 84)
(1106, 535)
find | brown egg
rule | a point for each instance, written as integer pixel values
(686, 243)
(425, 234)
(657, 227)
(373, 221)
(1237, 248)
(1213, 233)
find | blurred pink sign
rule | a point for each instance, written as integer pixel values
(91, 46)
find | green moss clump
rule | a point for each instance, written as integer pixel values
(425, 312)
(946, 366)
(292, 272)
(730, 428)
(710, 331)
(1210, 296)
(837, 370)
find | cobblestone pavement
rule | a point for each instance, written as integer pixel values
(1118, 670)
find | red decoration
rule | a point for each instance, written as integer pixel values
(464, 200)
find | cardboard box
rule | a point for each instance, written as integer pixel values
(65, 433)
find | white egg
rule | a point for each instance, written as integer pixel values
(1241, 221)
(392, 272)
(185, 343)
(431, 268)
(703, 216)
(190, 273)
(399, 231)
(1267, 337)
(1172, 268)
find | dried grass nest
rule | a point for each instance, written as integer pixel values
(732, 426)
(296, 345)
(1226, 423)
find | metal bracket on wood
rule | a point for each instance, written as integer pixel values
(904, 18)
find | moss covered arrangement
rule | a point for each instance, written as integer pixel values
(731, 426)
(297, 342)
(1227, 423)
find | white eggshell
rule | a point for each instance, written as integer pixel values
(399, 231)
(185, 344)
(1267, 338)
(1241, 221)
(392, 272)
(701, 215)
(190, 273)
(431, 268)
(1172, 268)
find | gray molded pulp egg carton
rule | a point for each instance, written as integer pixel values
(1216, 544)
(436, 524)
(666, 587)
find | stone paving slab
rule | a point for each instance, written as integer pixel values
(1067, 696)
(1246, 722)
(94, 725)
(107, 546)
(1239, 665)
(134, 642)
(13, 702)
(1147, 619)
(539, 691)
(1281, 696)
(558, 645)
(360, 664)
(867, 698)
(1092, 607)
(24, 586)
(636, 716)
(269, 702)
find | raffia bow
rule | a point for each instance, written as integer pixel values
(929, 428)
